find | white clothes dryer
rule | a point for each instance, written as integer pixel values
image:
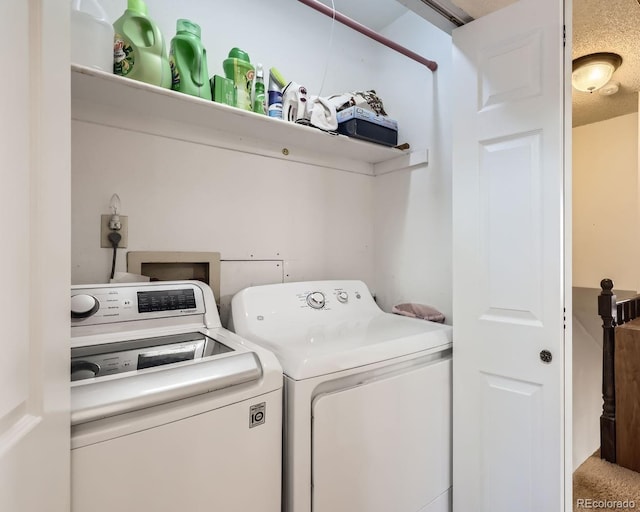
(367, 416)
(169, 411)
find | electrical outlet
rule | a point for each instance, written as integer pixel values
(104, 231)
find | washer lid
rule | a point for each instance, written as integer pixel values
(98, 398)
(307, 351)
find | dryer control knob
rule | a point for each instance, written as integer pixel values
(316, 300)
(83, 305)
(343, 297)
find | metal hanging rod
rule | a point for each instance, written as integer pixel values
(359, 27)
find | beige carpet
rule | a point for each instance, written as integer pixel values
(600, 485)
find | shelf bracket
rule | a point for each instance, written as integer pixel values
(406, 161)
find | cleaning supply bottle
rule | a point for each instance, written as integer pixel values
(258, 93)
(276, 84)
(91, 35)
(188, 61)
(139, 50)
(239, 69)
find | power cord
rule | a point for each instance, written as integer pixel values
(114, 237)
(330, 46)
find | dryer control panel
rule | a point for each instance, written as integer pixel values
(326, 297)
(316, 300)
(257, 308)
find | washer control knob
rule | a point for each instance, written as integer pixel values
(84, 370)
(83, 305)
(343, 297)
(316, 300)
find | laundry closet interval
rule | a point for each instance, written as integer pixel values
(189, 183)
(319, 209)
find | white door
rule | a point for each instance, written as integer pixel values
(508, 218)
(34, 208)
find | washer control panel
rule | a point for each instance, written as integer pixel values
(107, 304)
(83, 305)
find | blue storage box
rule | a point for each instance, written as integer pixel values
(363, 124)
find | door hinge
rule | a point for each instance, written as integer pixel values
(564, 36)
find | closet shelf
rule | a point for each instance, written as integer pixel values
(107, 99)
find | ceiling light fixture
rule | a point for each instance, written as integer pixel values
(593, 71)
(609, 89)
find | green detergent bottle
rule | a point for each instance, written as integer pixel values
(239, 69)
(188, 61)
(139, 51)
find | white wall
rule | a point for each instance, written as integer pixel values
(413, 206)
(605, 243)
(605, 203)
(323, 223)
(191, 197)
(587, 374)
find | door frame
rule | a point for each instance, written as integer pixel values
(568, 258)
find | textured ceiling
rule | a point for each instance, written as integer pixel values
(608, 26)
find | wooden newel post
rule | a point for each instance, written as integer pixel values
(607, 311)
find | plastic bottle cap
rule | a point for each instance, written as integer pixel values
(91, 7)
(277, 77)
(138, 6)
(237, 53)
(188, 26)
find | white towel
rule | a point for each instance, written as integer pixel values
(323, 114)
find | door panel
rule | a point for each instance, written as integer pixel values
(14, 137)
(510, 227)
(508, 260)
(34, 207)
(503, 77)
(511, 404)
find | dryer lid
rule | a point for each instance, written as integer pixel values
(311, 350)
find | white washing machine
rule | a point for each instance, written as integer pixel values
(367, 397)
(169, 411)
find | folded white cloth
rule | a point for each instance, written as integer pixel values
(323, 114)
(126, 277)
